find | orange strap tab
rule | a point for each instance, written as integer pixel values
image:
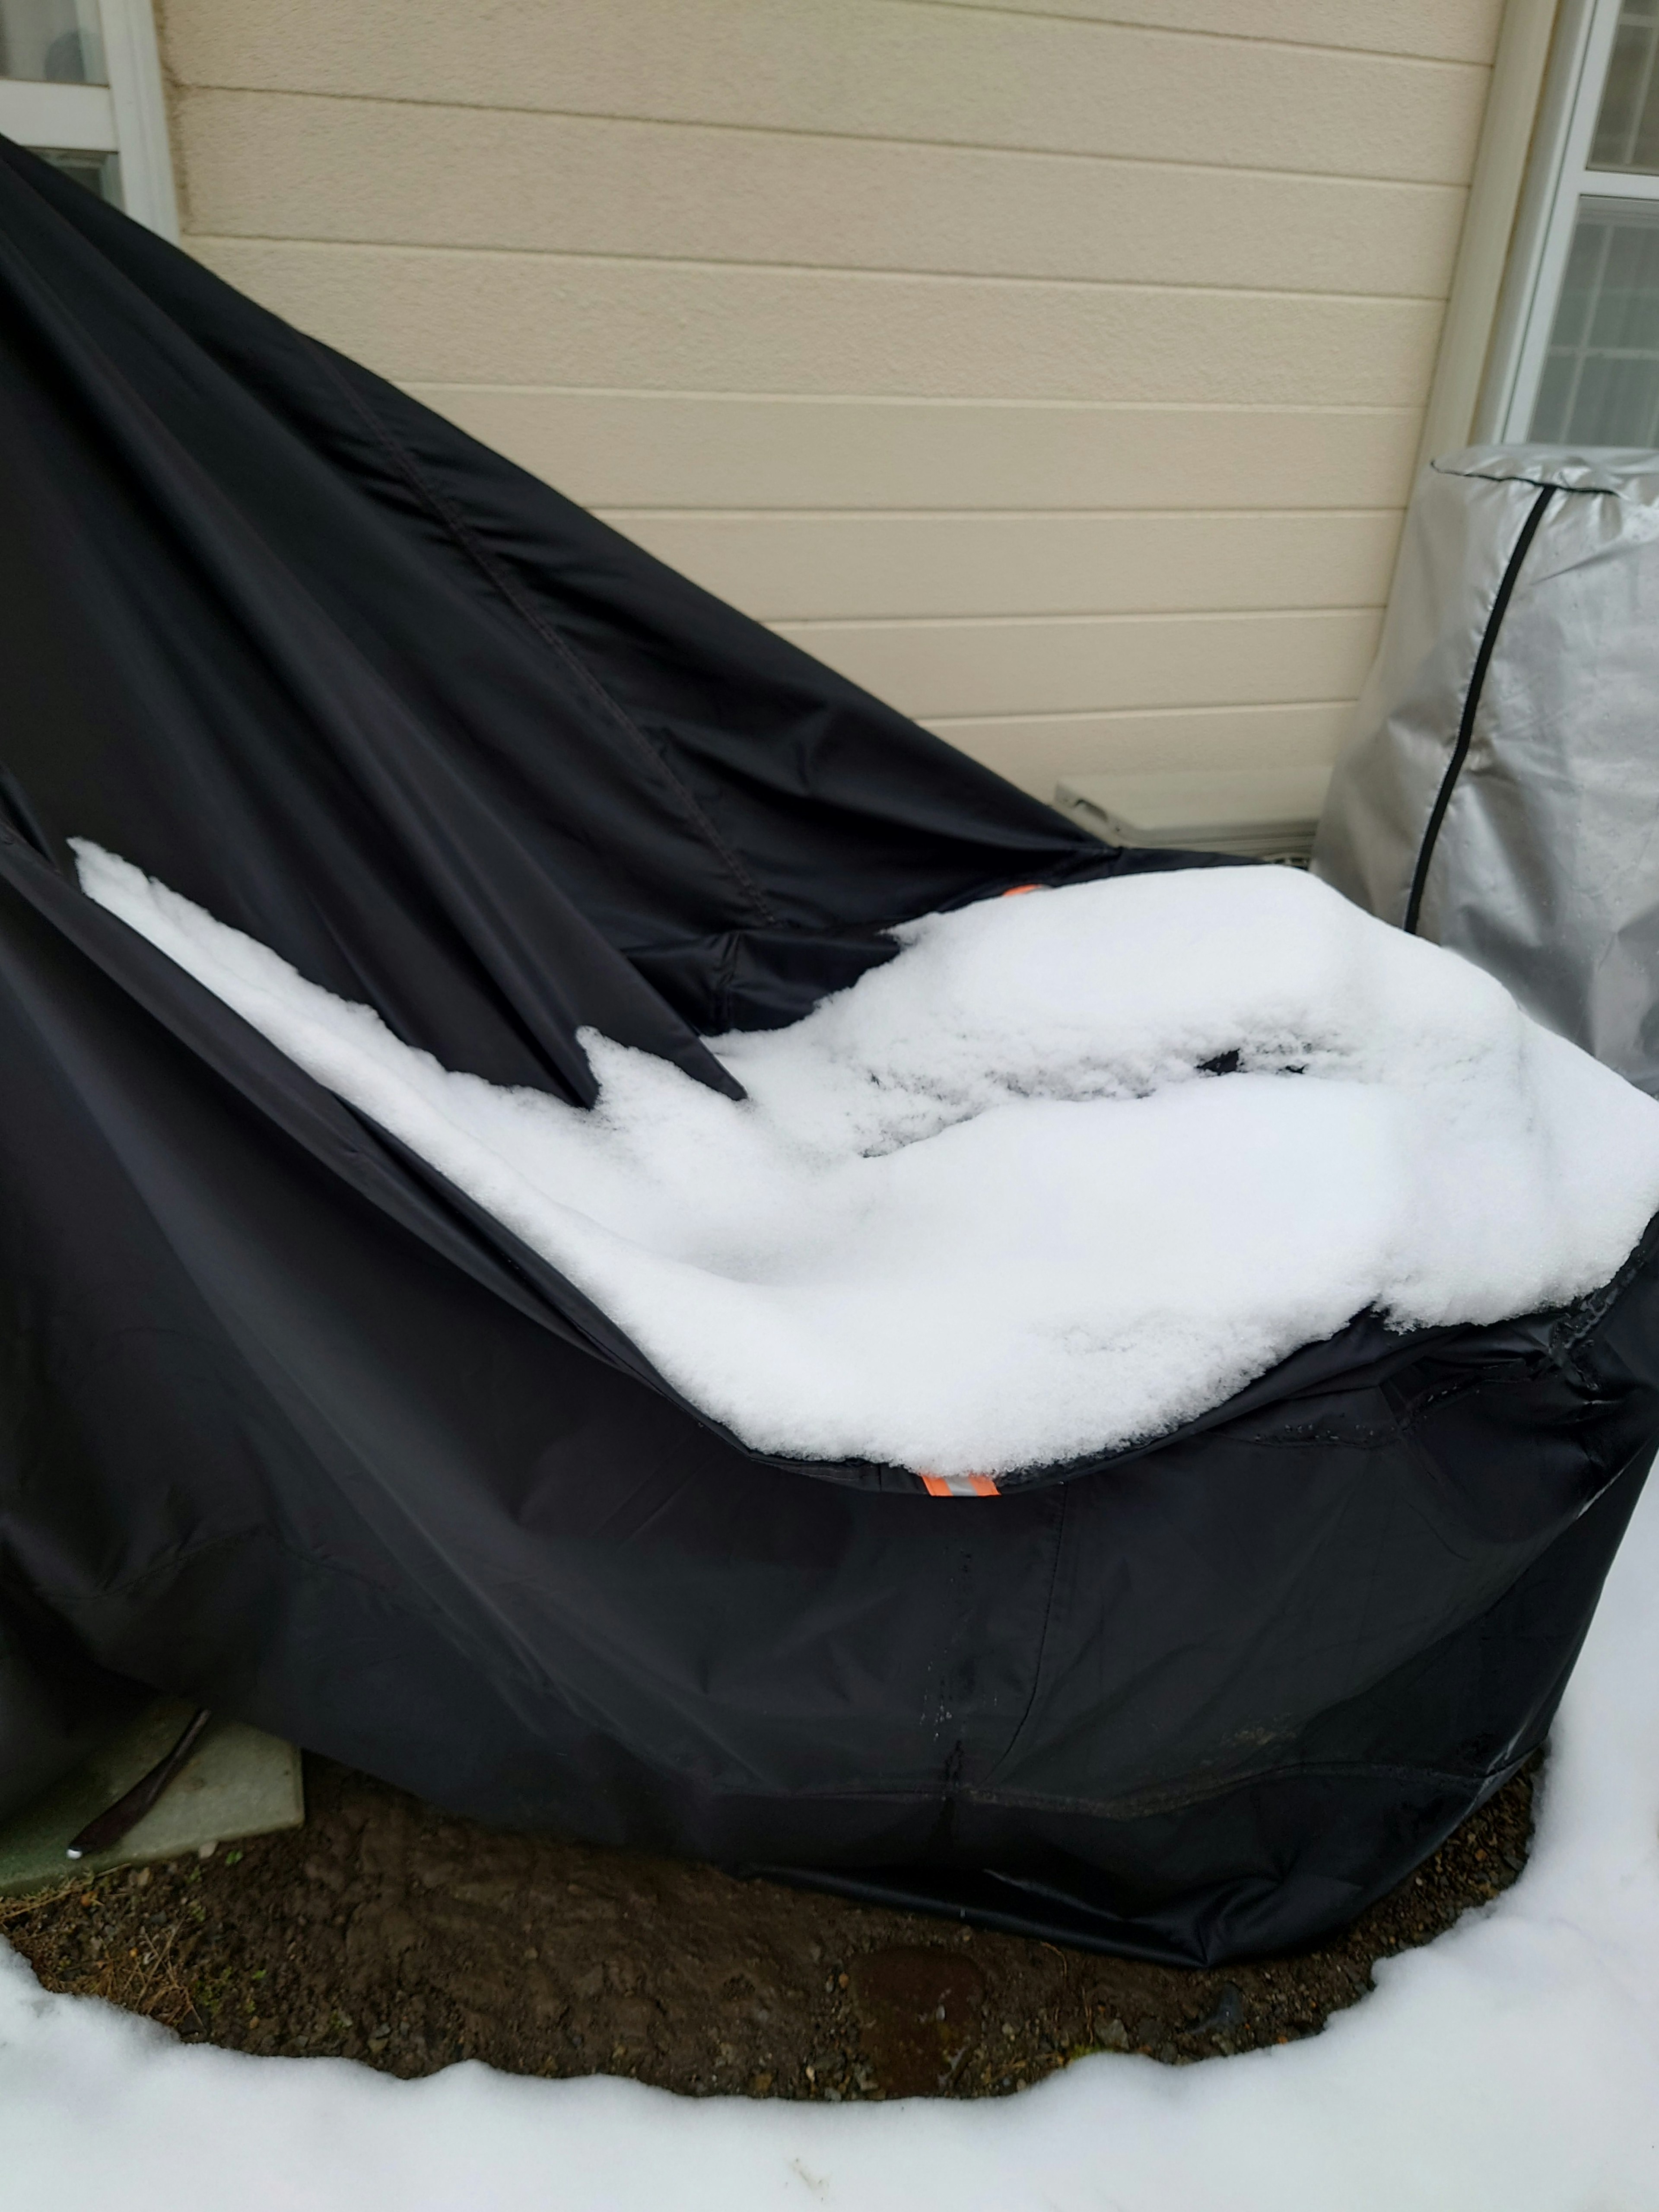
(1018, 891)
(960, 1486)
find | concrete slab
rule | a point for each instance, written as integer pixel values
(238, 1782)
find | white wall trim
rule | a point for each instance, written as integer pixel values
(1508, 133)
(79, 118)
(141, 117)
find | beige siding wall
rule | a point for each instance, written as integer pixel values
(1052, 366)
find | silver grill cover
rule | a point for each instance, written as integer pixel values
(1500, 794)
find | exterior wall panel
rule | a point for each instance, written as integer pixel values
(669, 326)
(1056, 371)
(640, 450)
(937, 671)
(823, 566)
(266, 165)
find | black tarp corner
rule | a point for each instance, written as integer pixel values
(290, 1427)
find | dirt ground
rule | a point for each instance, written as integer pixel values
(388, 1932)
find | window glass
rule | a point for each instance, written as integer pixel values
(1601, 381)
(1627, 124)
(52, 41)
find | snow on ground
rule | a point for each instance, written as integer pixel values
(1041, 1185)
(1514, 2063)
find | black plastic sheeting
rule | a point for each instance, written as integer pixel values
(289, 1427)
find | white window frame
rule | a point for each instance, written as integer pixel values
(127, 117)
(1558, 177)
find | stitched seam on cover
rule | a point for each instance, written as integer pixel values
(1019, 1727)
(484, 561)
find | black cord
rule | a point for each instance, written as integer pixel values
(1471, 704)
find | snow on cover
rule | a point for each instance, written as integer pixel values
(1514, 2063)
(1069, 1170)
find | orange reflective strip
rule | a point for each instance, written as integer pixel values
(1020, 890)
(960, 1486)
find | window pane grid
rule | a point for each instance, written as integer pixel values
(1627, 126)
(1601, 380)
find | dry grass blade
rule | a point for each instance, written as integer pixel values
(145, 1979)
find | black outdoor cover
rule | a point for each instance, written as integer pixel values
(288, 1427)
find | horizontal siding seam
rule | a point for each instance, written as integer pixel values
(1439, 186)
(704, 265)
(608, 510)
(736, 397)
(1459, 183)
(801, 627)
(1194, 32)
(1137, 713)
(818, 625)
